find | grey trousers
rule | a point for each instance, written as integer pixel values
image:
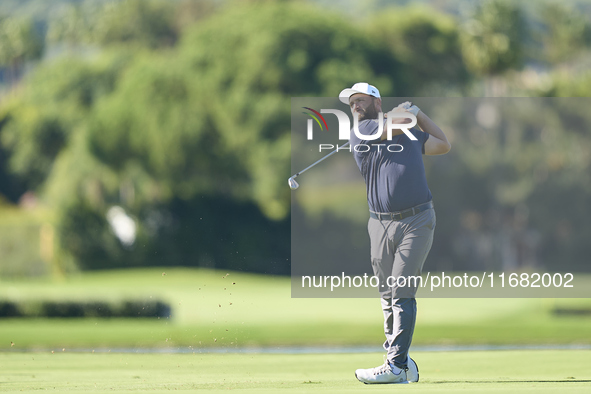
(399, 250)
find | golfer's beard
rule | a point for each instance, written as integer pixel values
(370, 113)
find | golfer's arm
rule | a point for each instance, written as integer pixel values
(437, 144)
(395, 131)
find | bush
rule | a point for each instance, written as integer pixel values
(85, 309)
(9, 309)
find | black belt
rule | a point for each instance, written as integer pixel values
(401, 214)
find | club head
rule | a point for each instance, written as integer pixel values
(292, 183)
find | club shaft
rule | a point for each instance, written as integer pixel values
(325, 157)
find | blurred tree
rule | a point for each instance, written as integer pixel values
(144, 23)
(192, 142)
(174, 132)
(38, 123)
(19, 42)
(189, 12)
(249, 72)
(492, 40)
(426, 43)
(567, 85)
(156, 123)
(565, 32)
(75, 26)
(11, 185)
(522, 165)
(200, 131)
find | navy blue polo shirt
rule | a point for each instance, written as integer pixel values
(393, 170)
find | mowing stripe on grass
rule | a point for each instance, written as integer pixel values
(306, 349)
(539, 371)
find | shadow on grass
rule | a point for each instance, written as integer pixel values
(511, 381)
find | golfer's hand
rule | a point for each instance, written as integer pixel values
(404, 107)
(407, 106)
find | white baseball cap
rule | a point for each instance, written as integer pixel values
(360, 87)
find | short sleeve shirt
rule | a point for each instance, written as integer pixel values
(393, 170)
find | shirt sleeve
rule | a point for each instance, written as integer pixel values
(421, 136)
(353, 139)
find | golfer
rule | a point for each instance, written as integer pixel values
(402, 219)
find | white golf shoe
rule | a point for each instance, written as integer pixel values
(412, 373)
(383, 374)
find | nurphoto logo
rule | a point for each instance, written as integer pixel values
(394, 120)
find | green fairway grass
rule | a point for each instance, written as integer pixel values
(440, 372)
(219, 309)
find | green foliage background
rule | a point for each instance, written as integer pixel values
(178, 112)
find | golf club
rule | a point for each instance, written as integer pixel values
(292, 182)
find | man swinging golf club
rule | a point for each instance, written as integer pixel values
(401, 223)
